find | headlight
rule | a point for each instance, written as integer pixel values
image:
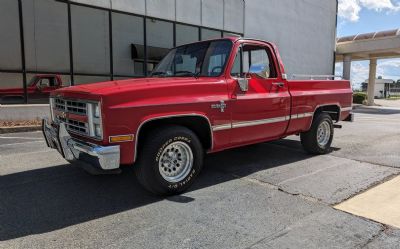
(94, 120)
(97, 130)
(96, 110)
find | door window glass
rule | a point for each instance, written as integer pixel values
(44, 82)
(256, 60)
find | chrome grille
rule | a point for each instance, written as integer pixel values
(74, 107)
(75, 126)
(71, 106)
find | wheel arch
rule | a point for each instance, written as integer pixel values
(198, 123)
(333, 110)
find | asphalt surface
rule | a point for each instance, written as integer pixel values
(270, 195)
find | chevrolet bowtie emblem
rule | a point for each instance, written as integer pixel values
(222, 106)
(63, 115)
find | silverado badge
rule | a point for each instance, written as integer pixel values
(221, 105)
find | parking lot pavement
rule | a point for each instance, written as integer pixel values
(270, 195)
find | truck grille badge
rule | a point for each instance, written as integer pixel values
(222, 106)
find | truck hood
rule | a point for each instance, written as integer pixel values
(112, 87)
(146, 91)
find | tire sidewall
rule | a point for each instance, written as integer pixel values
(321, 118)
(187, 137)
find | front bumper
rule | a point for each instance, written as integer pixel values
(73, 150)
(350, 118)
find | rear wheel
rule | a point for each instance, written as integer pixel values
(319, 138)
(170, 160)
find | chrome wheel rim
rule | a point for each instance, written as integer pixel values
(323, 133)
(176, 162)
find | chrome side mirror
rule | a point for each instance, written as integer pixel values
(284, 76)
(243, 84)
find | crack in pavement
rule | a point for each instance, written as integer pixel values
(375, 236)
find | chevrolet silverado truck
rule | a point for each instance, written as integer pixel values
(38, 89)
(203, 97)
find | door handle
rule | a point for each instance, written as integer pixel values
(278, 84)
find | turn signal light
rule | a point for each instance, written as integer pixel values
(121, 138)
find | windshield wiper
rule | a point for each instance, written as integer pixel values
(187, 73)
(158, 74)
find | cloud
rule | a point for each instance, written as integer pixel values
(349, 10)
(379, 5)
(389, 69)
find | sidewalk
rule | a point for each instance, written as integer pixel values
(388, 103)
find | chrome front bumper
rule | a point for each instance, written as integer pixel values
(73, 150)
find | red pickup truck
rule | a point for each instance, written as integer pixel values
(201, 98)
(38, 89)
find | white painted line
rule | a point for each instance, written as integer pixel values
(28, 138)
(27, 153)
(308, 174)
(30, 142)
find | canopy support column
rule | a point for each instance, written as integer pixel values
(371, 81)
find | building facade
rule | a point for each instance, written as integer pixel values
(45, 43)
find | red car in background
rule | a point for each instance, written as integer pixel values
(38, 90)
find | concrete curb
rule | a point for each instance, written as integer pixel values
(15, 129)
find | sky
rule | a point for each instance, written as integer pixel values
(364, 16)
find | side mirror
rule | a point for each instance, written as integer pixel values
(284, 76)
(243, 83)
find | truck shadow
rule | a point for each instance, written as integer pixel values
(47, 199)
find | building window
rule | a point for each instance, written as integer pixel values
(85, 79)
(186, 34)
(128, 45)
(159, 40)
(46, 36)
(10, 46)
(90, 40)
(207, 34)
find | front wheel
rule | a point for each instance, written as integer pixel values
(319, 138)
(170, 160)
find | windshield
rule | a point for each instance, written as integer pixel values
(197, 59)
(32, 82)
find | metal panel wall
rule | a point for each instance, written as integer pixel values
(304, 30)
(213, 14)
(132, 6)
(99, 3)
(233, 15)
(188, 11)
(164, 9)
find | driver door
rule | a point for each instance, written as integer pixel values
(260, 113)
